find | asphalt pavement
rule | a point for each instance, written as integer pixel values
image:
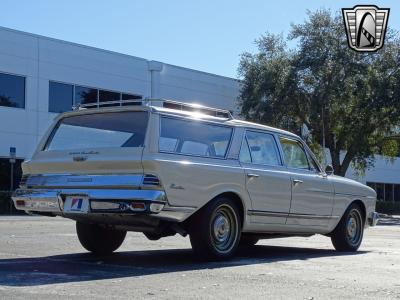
(41, 258)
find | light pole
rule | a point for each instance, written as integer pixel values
(323, 133)
(13, 153)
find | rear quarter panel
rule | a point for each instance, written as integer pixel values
(192, 181)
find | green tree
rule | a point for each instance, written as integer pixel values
(350, 98)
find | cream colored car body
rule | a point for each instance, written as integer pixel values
(273, 199)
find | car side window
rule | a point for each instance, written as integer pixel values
(262, 148)
(294, 154)
(193, 137)
(244, 155)
(313, 163)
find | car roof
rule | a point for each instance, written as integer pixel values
(180, 113)
(225, 121)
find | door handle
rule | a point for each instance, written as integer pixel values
(297, 181)
(252, 175)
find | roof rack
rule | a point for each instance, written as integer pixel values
(170, 104)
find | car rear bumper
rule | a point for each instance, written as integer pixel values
(102, 201)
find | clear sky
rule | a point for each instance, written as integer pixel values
(205, 35)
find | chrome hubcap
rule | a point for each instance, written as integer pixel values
(221, 228)
(354, 227)
(224, 228)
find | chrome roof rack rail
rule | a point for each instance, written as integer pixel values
(109, 104)
(170, 104)
(192, 107)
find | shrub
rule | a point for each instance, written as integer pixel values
(386, 207)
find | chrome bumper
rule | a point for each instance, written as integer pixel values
(373, 219)
(101, 201)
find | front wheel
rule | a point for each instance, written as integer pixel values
(98, 239)
(215, 230)
(348, 234)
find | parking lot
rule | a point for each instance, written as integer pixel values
(41, 258)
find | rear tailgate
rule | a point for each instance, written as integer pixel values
(105, 142)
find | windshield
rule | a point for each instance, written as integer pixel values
(99, 130)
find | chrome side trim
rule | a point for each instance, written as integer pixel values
(288, 215)
(313, 217)
(267, 213)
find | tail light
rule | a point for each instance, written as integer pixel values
(150, 179)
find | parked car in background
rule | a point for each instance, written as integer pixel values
(164, 167)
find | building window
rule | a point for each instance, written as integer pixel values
(386, 191)
(397, 192)
(12, 90)
(105, 96)
(85, 95)
(130, 97)
(60, 97)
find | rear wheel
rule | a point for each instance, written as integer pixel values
(348, 234)
(215, 230)
(98, 239)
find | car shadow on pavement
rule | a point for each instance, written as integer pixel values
(86, 267)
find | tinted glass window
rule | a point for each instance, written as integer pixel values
(106, 130)
(397, 192)
(60, 97)
(194, 138)
(389, 192)
(130, 97)
(84, 95)
(262, 148)
(244, 155)
(313, 163)
(379, 191)
(294, 154)
(105, 96)
(12, 90)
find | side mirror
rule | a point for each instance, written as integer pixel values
(329, 170)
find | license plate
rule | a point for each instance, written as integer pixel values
(76, 205)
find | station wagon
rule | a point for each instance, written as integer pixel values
(163, 167)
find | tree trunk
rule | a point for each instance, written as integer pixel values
(335, 157)
(341, 168)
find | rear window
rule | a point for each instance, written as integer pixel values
(194, 138)
(100, 130)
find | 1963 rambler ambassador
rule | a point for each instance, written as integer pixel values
(164, 167)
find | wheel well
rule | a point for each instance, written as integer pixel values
(231, 195)
(362, 206)
(235, 197)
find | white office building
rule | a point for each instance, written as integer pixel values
(41, 77)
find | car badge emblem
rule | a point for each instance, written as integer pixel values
(365, 27)
(80, 158)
